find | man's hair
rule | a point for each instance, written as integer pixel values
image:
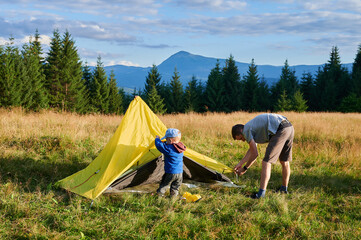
(237, 130)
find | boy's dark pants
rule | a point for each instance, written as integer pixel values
(174, 180)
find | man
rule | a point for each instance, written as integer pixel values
(278, 132)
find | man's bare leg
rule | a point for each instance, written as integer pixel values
(286, 172)
(265, 174)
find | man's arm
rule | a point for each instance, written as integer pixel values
(248, 159)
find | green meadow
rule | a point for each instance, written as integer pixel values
(38, 149)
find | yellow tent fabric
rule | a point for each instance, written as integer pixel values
(132, 145)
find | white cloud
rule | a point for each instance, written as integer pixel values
(281, 46)
(93, 30)
(331, 5)
(93, 54)
(109, 8)
(215, 5)
(90, 30)
(337, 39)
(3, 41)
(44, 39)
(316, 5)
(122, 62)
(130, 29)
(132, 20)
(277, 23)
(92, 63)
(351, 5)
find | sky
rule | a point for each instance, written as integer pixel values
(146, 32)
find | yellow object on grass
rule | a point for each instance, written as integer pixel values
(131, 146)
(191, 197)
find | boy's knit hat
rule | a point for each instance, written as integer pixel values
(171, 132)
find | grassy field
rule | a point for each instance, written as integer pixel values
(38, 149)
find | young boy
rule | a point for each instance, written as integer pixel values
(173, 161)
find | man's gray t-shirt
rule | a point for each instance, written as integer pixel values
(261, 127)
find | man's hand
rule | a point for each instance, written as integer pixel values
(239, 170)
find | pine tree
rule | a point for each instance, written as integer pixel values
(176, 94)
(10, 82)
(214, 92)
(164, 92)
(193, 96)
(356, 73)
(36, 46)
(324, 94)
(87, 81)
(73, 88)
(351, 103)
(127, 98)
(115, 98)
(299, 104)
(53, 71)
(134, 93)
(34, 95)
(332, 83)
(307, 88)
(151, 91)
(288, 82)
(283, 103)
(263, 96)
(342, 78)
(250, 85)
(155, 101)
(232, 86)
(42, 97)
(100, 91)
(153, 79)
(87, 76)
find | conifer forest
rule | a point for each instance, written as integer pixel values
(59, 80)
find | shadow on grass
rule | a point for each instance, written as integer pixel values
(328, 182)
(336, 183)
(37, 174)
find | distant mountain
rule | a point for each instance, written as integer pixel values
(189, 65)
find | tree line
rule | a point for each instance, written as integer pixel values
(332, 88)
(61, 81)
(58, 81)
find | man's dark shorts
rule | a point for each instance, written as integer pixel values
(280, 144)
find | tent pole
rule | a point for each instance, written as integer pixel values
(91, 204)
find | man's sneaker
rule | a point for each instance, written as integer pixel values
(282, 191)
(256, 196)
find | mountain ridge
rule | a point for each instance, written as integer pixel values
(189, 65)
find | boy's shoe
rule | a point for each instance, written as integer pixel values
(173, 194)
(160, 194)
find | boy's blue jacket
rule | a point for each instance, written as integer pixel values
(173, 156)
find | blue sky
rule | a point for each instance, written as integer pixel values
(146, 32)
